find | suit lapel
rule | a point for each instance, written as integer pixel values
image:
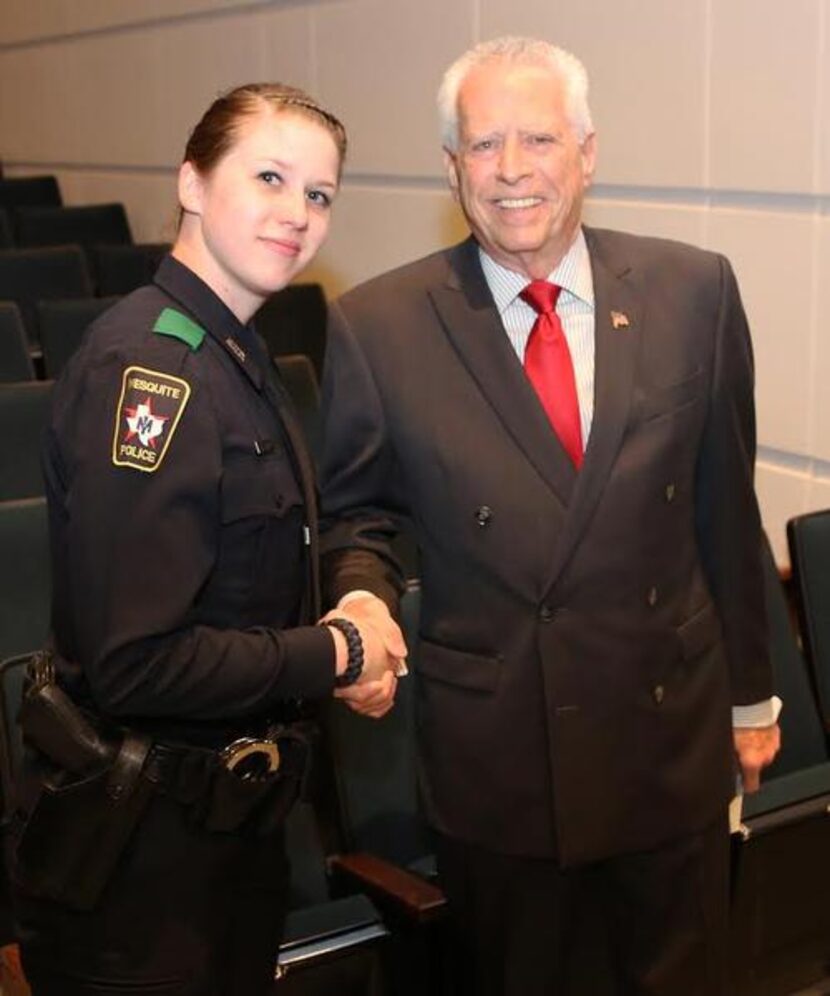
(469, 316)
(618, 322)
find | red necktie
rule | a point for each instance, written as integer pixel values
(549, 367)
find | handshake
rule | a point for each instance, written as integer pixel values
(384, 654)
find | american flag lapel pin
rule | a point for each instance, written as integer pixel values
(619, 320)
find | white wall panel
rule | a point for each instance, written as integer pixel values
(379, 64)
(149, 198)
(131, 98)
(821, 370)
(818, 497)
(376, 229)
(772, 256)
(824, 106)
(684, 223)
(645, 59)
(764, 90)
(782, 493)
(27, 20)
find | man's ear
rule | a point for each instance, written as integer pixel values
(589, 158)
(191, 188)
(451, 166)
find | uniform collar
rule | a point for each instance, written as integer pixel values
(214, 316)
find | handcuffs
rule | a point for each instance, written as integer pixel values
(251, 759)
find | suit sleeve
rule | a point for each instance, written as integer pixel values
(728, 520)
(362, 498)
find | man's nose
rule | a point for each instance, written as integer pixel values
(513, 163)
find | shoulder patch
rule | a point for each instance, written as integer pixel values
(174, 323)
(148, 413)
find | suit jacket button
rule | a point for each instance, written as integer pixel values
(483, 515)
(658, 692)
(546, 614)
(670, 492)
(651, 597)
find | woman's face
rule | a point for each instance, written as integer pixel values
(263, 211)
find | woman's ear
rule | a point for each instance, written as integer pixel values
(191, 188)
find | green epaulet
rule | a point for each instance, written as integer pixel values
(174, 323)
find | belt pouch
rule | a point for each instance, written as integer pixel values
(256, 806)
(78, 829)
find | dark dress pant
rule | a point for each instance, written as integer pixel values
(643, 924)
(186, 913)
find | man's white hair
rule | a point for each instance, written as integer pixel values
(525, 52)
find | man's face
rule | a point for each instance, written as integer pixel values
(520, 172)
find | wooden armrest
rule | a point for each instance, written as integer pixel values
(381, 880)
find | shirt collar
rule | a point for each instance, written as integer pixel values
(572, 274)
(213, 315)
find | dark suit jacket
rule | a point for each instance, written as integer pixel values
(583, 635)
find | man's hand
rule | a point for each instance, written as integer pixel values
(370, 698)
(755, 749)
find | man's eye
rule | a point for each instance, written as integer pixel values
(541, 139)
(269, 176)
(484, 145)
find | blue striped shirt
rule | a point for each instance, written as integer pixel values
(575, 308)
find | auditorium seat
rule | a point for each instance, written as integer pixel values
(294, 321)
(119, 269)
(15, 362)
(25, 191)
(61, 326)
(25, 576)
(24, 411)
(85, 226)
(6, 234)
(31, 275)
(331, 945)
(808, 537)
(780, 938)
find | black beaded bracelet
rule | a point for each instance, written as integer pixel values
(354, 644)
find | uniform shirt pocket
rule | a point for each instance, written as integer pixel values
(257, 486)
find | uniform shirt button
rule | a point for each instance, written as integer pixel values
(651, 597)
(658, 692)
(670, 492)
(546, 614)
(280, 501)
(483, 515)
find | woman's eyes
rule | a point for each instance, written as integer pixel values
(269, 176)
(319, 197)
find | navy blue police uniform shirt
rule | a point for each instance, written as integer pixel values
(179, 520)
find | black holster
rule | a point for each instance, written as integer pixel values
(90, 799)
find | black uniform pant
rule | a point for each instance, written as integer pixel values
(186, 913)
(645, 924)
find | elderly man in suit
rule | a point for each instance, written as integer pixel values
(566, 417)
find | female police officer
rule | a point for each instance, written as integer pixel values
(183, 535)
